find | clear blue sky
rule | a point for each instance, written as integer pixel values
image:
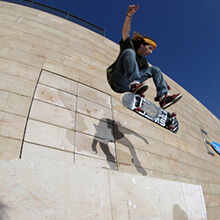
(187, 33)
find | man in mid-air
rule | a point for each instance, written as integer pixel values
(131, 68)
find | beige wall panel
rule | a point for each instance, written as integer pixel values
(212, 200)
(56, 97)
(14, 43)
(142, 159)
(17, 84)
(94, 127)
(11, 125)
(52, 114)
(77, 75)
(94, 95)
(93, 109)
(49, 135)
(213, 212)
(21, 56)
(16, 68)
(9, 148)
(94, 162)
(129, 138)
(15, 104)
(56, 81)
(30, 151)
(88, 69)
(95, 147)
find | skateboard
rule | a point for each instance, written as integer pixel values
(145, 108)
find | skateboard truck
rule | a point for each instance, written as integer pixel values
(174, 114)
(139, 109)
(139, 102)
(171, 121)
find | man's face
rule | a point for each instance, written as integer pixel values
(145, 50)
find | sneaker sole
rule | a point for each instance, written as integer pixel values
(141, 89)
(173, 102)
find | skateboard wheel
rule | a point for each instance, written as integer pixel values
(173, 114)
(138, 109)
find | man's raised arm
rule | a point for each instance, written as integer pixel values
(127, 24)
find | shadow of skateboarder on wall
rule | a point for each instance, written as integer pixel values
(118, 137)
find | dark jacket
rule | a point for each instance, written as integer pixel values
(127, 44)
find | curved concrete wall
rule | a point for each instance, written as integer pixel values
(60, 123)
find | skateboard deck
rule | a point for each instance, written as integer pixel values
(150, 111)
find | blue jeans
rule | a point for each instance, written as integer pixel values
(127, 71)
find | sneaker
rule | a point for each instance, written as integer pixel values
(138, 88)
(169, 100)
(157, 98)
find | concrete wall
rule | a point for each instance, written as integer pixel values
(68, 147)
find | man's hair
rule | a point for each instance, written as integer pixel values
(138, 39)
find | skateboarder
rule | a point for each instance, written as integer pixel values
(131, 68)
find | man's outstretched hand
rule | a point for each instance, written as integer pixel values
(132, 9)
